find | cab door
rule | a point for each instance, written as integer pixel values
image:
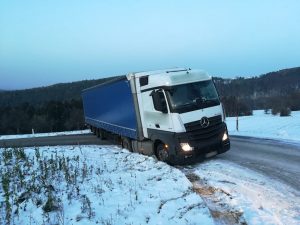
(156, 111)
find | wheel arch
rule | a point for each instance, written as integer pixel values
(156, 143)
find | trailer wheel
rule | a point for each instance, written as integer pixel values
(101, 134)
(126, 143)
(94, 130)
(161, 152)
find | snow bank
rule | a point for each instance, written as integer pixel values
(263, 125)
(262, 200)
(94, 185)
(45, 134)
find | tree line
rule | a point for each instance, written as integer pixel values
(52, 116)
(57, 92)
(59, 107)
(277, 92)
(53, 108)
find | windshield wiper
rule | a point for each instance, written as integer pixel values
(202, 102)
(198, 103)
(188, 104)
(211, 101)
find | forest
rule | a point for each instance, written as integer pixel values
(59, 107)
(46, 109)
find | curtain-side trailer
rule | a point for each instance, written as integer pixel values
(175, 114)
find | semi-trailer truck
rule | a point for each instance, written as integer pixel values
(174, 114)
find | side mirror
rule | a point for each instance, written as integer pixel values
(159, 101)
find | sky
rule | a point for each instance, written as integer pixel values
(48, 42)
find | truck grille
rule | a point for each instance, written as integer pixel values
(197, 133)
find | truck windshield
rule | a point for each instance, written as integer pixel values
(192, 96)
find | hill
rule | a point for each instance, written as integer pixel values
(58, 92)
(282, 82)
(275, 90)
(45, 109)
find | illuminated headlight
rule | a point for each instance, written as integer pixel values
(186, 147)
(225, 137)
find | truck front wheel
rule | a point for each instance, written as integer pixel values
(162, 152)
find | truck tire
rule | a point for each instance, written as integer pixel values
(161, 152)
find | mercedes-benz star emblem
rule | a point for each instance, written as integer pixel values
(204, 122)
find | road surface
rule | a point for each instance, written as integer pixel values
(275, 159)
(79, 139)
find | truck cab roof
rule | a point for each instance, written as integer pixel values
(168, 77)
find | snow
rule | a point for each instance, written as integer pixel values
(263, 125)
(94, 185)
(44, 134)
(260, 199)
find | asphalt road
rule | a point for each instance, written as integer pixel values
(275, 159)
(81, 139)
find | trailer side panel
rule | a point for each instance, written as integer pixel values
(110, 107)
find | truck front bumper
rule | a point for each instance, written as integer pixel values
(201, 149)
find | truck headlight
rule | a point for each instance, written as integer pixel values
(225, 136)
(186, 147)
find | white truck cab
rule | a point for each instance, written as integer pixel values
(179, 115)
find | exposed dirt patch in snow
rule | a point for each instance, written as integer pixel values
(222, 212)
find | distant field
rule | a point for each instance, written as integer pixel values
(267, 126)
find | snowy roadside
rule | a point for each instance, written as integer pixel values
(243, 196)
(94, 185)
(4, 137)
(263, 125)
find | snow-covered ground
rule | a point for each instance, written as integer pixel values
(263, 125)
(44, 134)
(109, 185)
(94, 185)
